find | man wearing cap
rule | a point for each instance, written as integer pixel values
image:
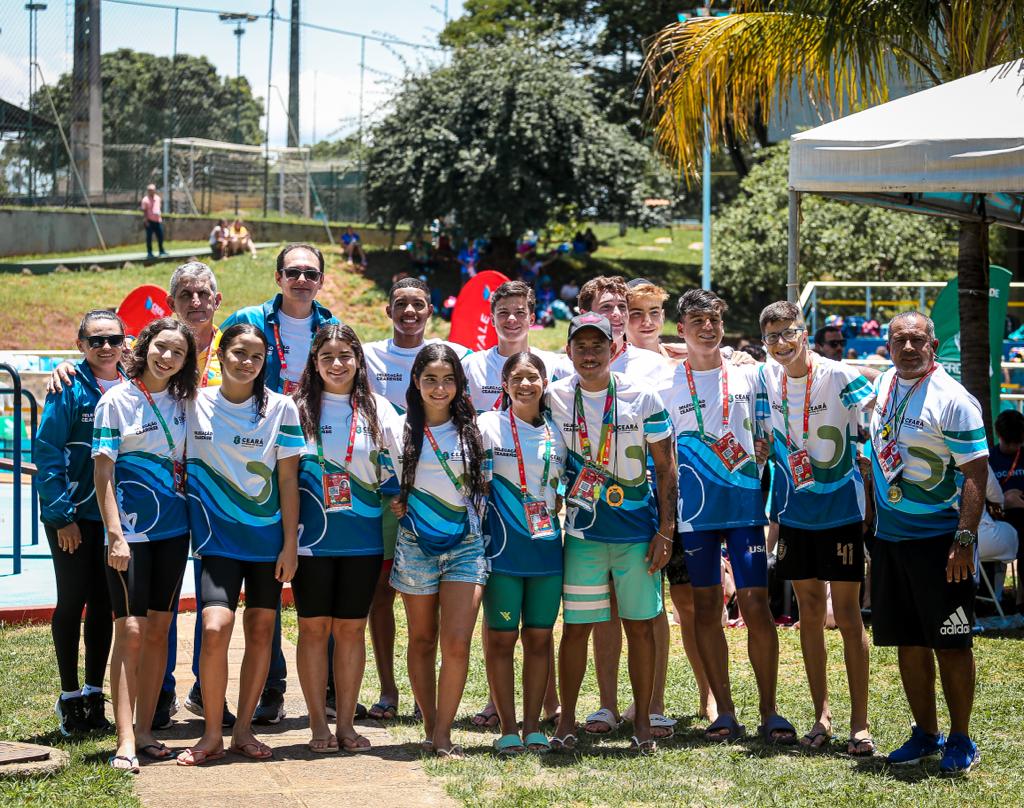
(613, 528)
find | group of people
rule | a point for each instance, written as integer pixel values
(283, 449)
(234, 239)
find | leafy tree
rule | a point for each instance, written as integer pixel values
(839, 241)
(504, 138)
(841, 54)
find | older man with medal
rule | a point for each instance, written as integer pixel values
(613, 528)
(929, 469)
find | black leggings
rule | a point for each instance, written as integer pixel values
(81, 585)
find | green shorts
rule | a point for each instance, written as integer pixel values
(588, 566)
(388, 528)
(536, 599)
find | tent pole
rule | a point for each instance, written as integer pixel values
(792, 292)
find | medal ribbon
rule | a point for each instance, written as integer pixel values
(899, 408)
(696, 401)
(351, 442)
(444, 464)
(604, 449)
(807, 407)
(548, 445)
(159, 416)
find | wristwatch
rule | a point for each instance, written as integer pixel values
(966, 538)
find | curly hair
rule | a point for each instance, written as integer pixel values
(259, 384)
(309, 395)
(596, 287)
(185, 382)
(463, 416)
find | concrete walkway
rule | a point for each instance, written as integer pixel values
(390, 775)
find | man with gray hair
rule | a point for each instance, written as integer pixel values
(929, 468)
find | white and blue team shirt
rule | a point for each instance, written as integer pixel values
(941, 429)
(126, 430)
(436, 512)
(296, 340)
(234, 501)
(511, 548)
(710, 496)
(483, 374)
(356, 531)
(389, 367)
(641, 420)
(838, 392)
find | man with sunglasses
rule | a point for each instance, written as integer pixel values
(817, 500)
(830, 342)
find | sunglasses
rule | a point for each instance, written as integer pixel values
(835, 343)
(99, 340)
(295, 273)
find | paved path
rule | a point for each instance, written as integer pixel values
(114, 259)
(390, 775)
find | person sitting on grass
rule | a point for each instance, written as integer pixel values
(219, 239)
(354, 252)
(240, 240)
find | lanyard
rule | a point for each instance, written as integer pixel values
(279, 349)
(159, 415)
(351, 442)
(900, 407)
(1013, 468)
(444, 463)
(548, 445)
(696, 401)
(807, 406)
(607, 418)
(204, 378)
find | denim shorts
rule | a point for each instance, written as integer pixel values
(416, 573)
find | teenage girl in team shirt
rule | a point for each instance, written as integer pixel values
(138, 450)
(71, 520)
(439, 567)
(244, 443)
(526, 457)
(340, 546)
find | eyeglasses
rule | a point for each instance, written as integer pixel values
(917, 343)
(788, 334)
(99, 340)
(295, 273)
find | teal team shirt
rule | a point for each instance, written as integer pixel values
(641, 420)
(941, 429)
(127, 430)
(356, 531)
(838, 392)
(234, 500)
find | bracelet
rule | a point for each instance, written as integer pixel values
(666, 538)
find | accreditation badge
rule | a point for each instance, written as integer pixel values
(538, 520)
(890, 461)
(587, 488)
(800, 469)
(337, 492)
(729, 451)
(179, 477)
(290, 387)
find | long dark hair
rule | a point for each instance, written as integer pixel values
(309, 394)
(463, 417)
(185, 382)
(259, 384)
(510, 365)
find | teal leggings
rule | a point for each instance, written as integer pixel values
(509, 598)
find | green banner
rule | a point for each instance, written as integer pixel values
(946, 314)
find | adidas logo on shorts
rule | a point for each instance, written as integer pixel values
(956, 623)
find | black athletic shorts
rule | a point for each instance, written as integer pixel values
(675, 570)
(336, 586)
(222, 578)
(911, 602)
(834, 554)
(152, 581)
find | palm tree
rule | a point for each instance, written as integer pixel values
(839, 55)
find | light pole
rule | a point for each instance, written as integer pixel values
(239, 31)
(33, 50)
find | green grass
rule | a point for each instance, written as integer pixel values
(201, 248)
(687, 771)
(28, 689)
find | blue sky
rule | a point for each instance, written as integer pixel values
(329, 67)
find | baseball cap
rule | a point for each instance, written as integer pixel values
(590, 319)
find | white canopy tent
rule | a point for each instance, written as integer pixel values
(954, 150)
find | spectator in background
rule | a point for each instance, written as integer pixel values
(851, 353)
(152, 220)
(240, 239)
(590, 240)
(569, 292)
(353, 247)
(219, 239)
(829, 342)
(1005, 462)
(882, 351)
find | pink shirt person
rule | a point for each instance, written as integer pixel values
(151, 205)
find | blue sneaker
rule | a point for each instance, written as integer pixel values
(919, 746)
(960, 756)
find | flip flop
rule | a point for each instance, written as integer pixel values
(776, 723)
(856, 743)
(254, 750)
(808, 741)
(485, 719)
(659, 721)
(726, 721)
(509, 745)
(327, 749)
(131, 768)
(346, 744)
(197, 757)
(383, 711)
(454, 752)
(537, 739)
(602, 716)
(160, 748)
(643, 748)
(566, 744)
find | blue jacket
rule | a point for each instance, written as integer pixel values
(264, 317)
(63, 452)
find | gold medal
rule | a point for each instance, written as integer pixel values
(886, 431)
(895, 494)
(614, 495)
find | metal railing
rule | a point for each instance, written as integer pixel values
(18, 467)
